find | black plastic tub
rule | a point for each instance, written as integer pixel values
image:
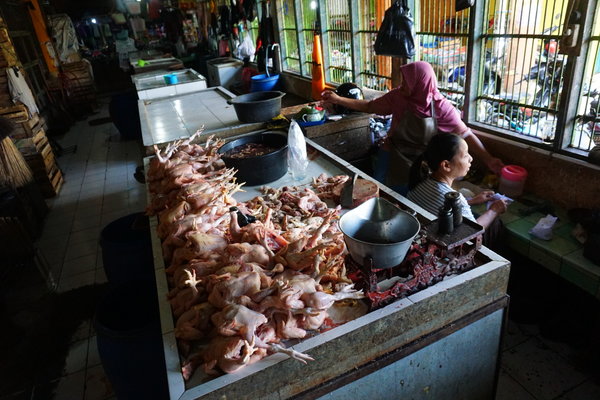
(130, 343)
(262, 169)
(127, 249)
(258, 106)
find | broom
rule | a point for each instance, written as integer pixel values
(14, 171)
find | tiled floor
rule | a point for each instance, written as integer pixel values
(99, 187)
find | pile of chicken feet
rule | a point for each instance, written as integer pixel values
(237, 292)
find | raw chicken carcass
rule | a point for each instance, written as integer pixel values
(322, 300)
(195, 322)
(239, 320)
(237, 253)
(235, 290)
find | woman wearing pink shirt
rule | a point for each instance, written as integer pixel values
(416, 96)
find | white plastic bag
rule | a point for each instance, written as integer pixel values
(246, 48)
(543, 229)
(297, 157)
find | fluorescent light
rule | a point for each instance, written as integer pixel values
(313, 5)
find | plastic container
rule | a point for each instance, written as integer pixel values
(171, 79)
(127, 249)
(130, 342)
(512, 180)
(263, 82)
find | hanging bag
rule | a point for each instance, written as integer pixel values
(396, 36)
(463, 4)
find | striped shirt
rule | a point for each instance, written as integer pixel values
(429, 194)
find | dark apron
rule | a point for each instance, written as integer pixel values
(408, 141)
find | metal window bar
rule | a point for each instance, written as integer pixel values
(307, 31)
(289, 37)
(372, 71)
(586, 132)
(442, 36)
(522, 73)
(339, 41)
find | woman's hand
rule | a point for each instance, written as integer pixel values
(330, 96)
(495, 165)
(328, 99)
(499, 206)
(481, 197)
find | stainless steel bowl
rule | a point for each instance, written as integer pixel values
(380, 230)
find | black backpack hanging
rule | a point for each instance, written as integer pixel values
(396, 36)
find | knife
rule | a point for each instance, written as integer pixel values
(346, 198)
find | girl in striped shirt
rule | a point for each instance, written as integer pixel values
(445, 159)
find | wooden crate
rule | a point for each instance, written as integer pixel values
(30, 145)
(17, 113)
(42, 161)
(51, 183)
(29, 128)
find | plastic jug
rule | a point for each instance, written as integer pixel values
(512, 180)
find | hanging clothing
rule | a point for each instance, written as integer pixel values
(20, 91)
(65, 37)
(138, 25)
(154, 9)
(173, 19)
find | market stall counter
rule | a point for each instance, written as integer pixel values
(167, 119)
(349, 137)
(440, 339)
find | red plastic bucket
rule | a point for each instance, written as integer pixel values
(512, 180)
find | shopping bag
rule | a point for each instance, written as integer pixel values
(463, 4)
(396, 36)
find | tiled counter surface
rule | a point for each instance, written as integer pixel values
(165, 120)
(364, 339)
(562, 255)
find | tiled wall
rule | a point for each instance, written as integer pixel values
(568, 184)
(562, 255)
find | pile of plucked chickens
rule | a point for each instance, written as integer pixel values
(238, 290)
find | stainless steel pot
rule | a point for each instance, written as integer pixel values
(380, 230)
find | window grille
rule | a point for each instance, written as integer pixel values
(374, 72)
(308, 12)
(338, 45)
(586, 132)
(289, 36)
(521, 77)
(442, 36)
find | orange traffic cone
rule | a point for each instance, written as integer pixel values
(318, 74)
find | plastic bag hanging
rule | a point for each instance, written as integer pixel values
(297, 156)
(396, 36)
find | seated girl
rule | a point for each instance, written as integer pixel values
(445, 159)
